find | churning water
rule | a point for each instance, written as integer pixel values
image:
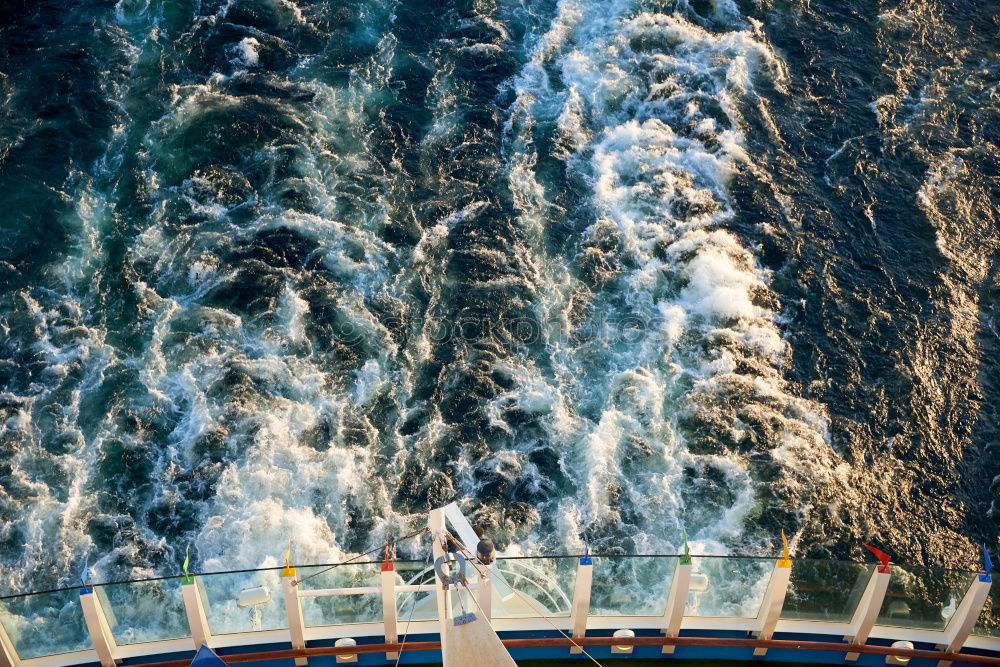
(278, 269)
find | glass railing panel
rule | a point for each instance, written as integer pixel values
(728, 587)
(537, 587)
(989, 621)
(920, 597)
(243, 602)
(825, 590)
(341, 609)
(144, 611)
(415, 606)
(634, 586)
(45, 624)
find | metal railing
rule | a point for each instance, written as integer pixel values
(107, 622)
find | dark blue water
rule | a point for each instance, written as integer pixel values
(277, 270)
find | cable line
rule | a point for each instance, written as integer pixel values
(367, 553)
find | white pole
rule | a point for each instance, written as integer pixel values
(677, 600)
(581, 600)
(963, 622)
(97, 626)
(389, 607)
(485, 593)
(293, 608)
(368, 590)
(8, 654)
(868, 609)
(774, 600)
(197, 620)
(436, 524)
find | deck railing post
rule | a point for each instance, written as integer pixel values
(197, 620)
(293, 608)
(436, 525)
(98, 627)
(677, 600)
(774, 600)
(868, 608)
(581, 600)
(964, 621)
(388, 575)
(8, 654)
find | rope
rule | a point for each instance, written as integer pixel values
(462, 604)
(523, 599)
(406, 630)
(367, 553)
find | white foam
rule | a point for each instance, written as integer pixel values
(603, 404)
(633, 116)
(247, 52)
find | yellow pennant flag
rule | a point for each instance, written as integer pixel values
(289, 571)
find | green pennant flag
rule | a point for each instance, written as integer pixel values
(188, 579)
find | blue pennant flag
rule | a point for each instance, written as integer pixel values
(206, 657)
(987, 565)
(84, 574)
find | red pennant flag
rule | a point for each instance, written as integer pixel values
(881, 555)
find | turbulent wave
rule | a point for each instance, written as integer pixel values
(676, 417)
(300, 271)
(879, 170)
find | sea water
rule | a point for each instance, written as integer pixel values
(601, 272)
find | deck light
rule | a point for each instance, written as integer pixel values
(254, 599)
(899, 659)
(624, 634)
(346, 641)
(699, 583)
